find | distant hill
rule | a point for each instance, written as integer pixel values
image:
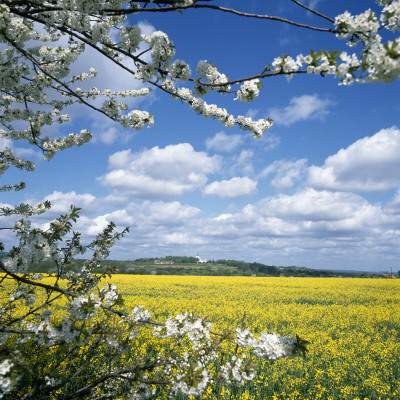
(183, 265)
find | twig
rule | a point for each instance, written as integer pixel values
(313, 11)
(67, 293)
(218, 8)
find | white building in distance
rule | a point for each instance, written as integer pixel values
(199, 260)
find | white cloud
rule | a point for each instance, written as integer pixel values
(61, 202)
(182, 239)
(159, 173)
(168, 213)
(313, 3)
(286, 173)
(309, 215)
(232, 188)
(109, 132)
(245, 156)
(313, 206)
(301, 108)
(393, 206)
(22, 152)
(252, 113)
(267, 141)
(371, 164)
(243, 162)
(223, 142)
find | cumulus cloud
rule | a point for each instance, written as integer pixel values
(150, 222)
(168, 213)
(61, 202)
(180, 238)
(109, 132)
(159, 173)
(371, 164)
(286, 173)
(311, 205)
(313, 3)
(148, 216)
(223, 142)
(268, 142)
(301, 108)
(22, 152)
(243, 162)
(228, 189)
(393, 206)
(319, 215)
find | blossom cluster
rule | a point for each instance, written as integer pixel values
(25, 210)
(52, 146)
(238, 370)
(249, 90)
(209, 72)
(268, 345)
(5, 379)
(213, 111)
(197, 329)
(377, 62)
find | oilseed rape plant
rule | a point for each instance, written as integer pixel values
(353, 326)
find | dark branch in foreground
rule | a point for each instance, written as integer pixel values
(224, 9)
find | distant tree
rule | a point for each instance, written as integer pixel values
(266, 269)
(181, 259)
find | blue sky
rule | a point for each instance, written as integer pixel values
(321, 189)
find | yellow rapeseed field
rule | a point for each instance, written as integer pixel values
(353, 326)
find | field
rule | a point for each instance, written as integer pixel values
(353, 326)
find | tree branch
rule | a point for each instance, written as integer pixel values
(104, 378)
(313, 11)
(67, 293)
(218, 8)
(259, 76)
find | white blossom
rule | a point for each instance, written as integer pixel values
(248, 91)
(6, 384)
(140, 314)
(238, 370)
(272, 346)
(180, 70)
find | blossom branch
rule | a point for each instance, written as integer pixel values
(66, 293)
(313, 11)
(218, 8)
(250, 78)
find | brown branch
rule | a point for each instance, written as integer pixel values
(90, 386)
(259, 76)
(83, 37)
(67, 293)
(47, 302)
(218, 8)
(313, 11)
(25, 332)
